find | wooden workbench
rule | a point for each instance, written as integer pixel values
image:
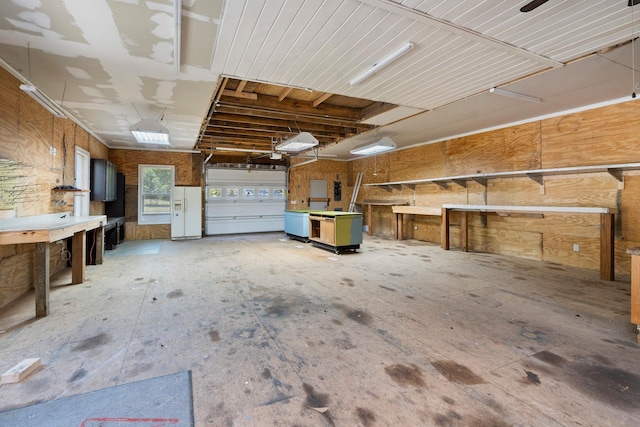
(44, 229)
(368, 204)
(400, 211)
(607, 216)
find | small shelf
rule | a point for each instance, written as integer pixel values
(535, 174)
(69, 190)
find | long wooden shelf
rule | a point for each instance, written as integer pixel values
(535, 174)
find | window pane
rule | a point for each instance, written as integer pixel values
(154, 192)
(153, 203)
(157, 181)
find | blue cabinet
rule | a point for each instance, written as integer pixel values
(296, 224)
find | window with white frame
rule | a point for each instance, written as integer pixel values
(155, 183)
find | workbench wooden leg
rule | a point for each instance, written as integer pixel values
(78, 256)
(397, 226)
(607, 246)
(369, 221)
(464, 231)
(42, 279)
(444, 229)
(99, 239)
(635, 289)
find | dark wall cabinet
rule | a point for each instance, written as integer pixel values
(103, 180)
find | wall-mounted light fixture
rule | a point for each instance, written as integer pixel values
(514, 95)
(148, 131)
(380, 146)
(382, 63)
(300, 142)
(43, 100)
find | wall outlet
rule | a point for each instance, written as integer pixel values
(294, 202)
(576, 248)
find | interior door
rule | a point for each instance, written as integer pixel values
(82, 161)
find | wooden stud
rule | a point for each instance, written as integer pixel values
(20, 371)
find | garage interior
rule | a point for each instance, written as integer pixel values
(515, 146)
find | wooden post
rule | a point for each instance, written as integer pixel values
(42, 279)
(397, 226)
(99, 236)
(607, 270)
(444, 229)
(78, 257)
(369, 217)
(464, 231)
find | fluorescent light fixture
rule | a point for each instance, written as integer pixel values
(382, 63)
(148, 131)
(300, 142)
(43, 100)
(514, 95)
(382, 145)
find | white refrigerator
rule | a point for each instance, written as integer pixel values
(186, 213)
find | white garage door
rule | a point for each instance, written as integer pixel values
(244, 200)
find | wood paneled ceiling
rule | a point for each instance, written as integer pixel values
(248, 116)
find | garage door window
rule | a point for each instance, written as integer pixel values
(154, 191)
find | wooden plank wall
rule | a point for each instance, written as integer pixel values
(188, 173)
(29, 171)
(331, 171)
(606, 135)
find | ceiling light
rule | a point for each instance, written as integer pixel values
(300, 142)
(382, 63)
(43, 100)
(384, 144)
(514, 95)
(148, 131)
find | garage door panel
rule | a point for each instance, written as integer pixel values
(244, 200)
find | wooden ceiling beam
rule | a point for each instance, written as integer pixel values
(284, 125)
(241, 86)
(285, 92)
(375, 109)
(319, 100)
(271, 103)
(242, 95)
(250, 113)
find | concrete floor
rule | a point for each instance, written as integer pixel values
(400, 333)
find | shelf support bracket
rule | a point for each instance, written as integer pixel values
(461, 182)
(481, 181)
(537, 177)
(411, 186)
(441, 184)
(616, 173)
